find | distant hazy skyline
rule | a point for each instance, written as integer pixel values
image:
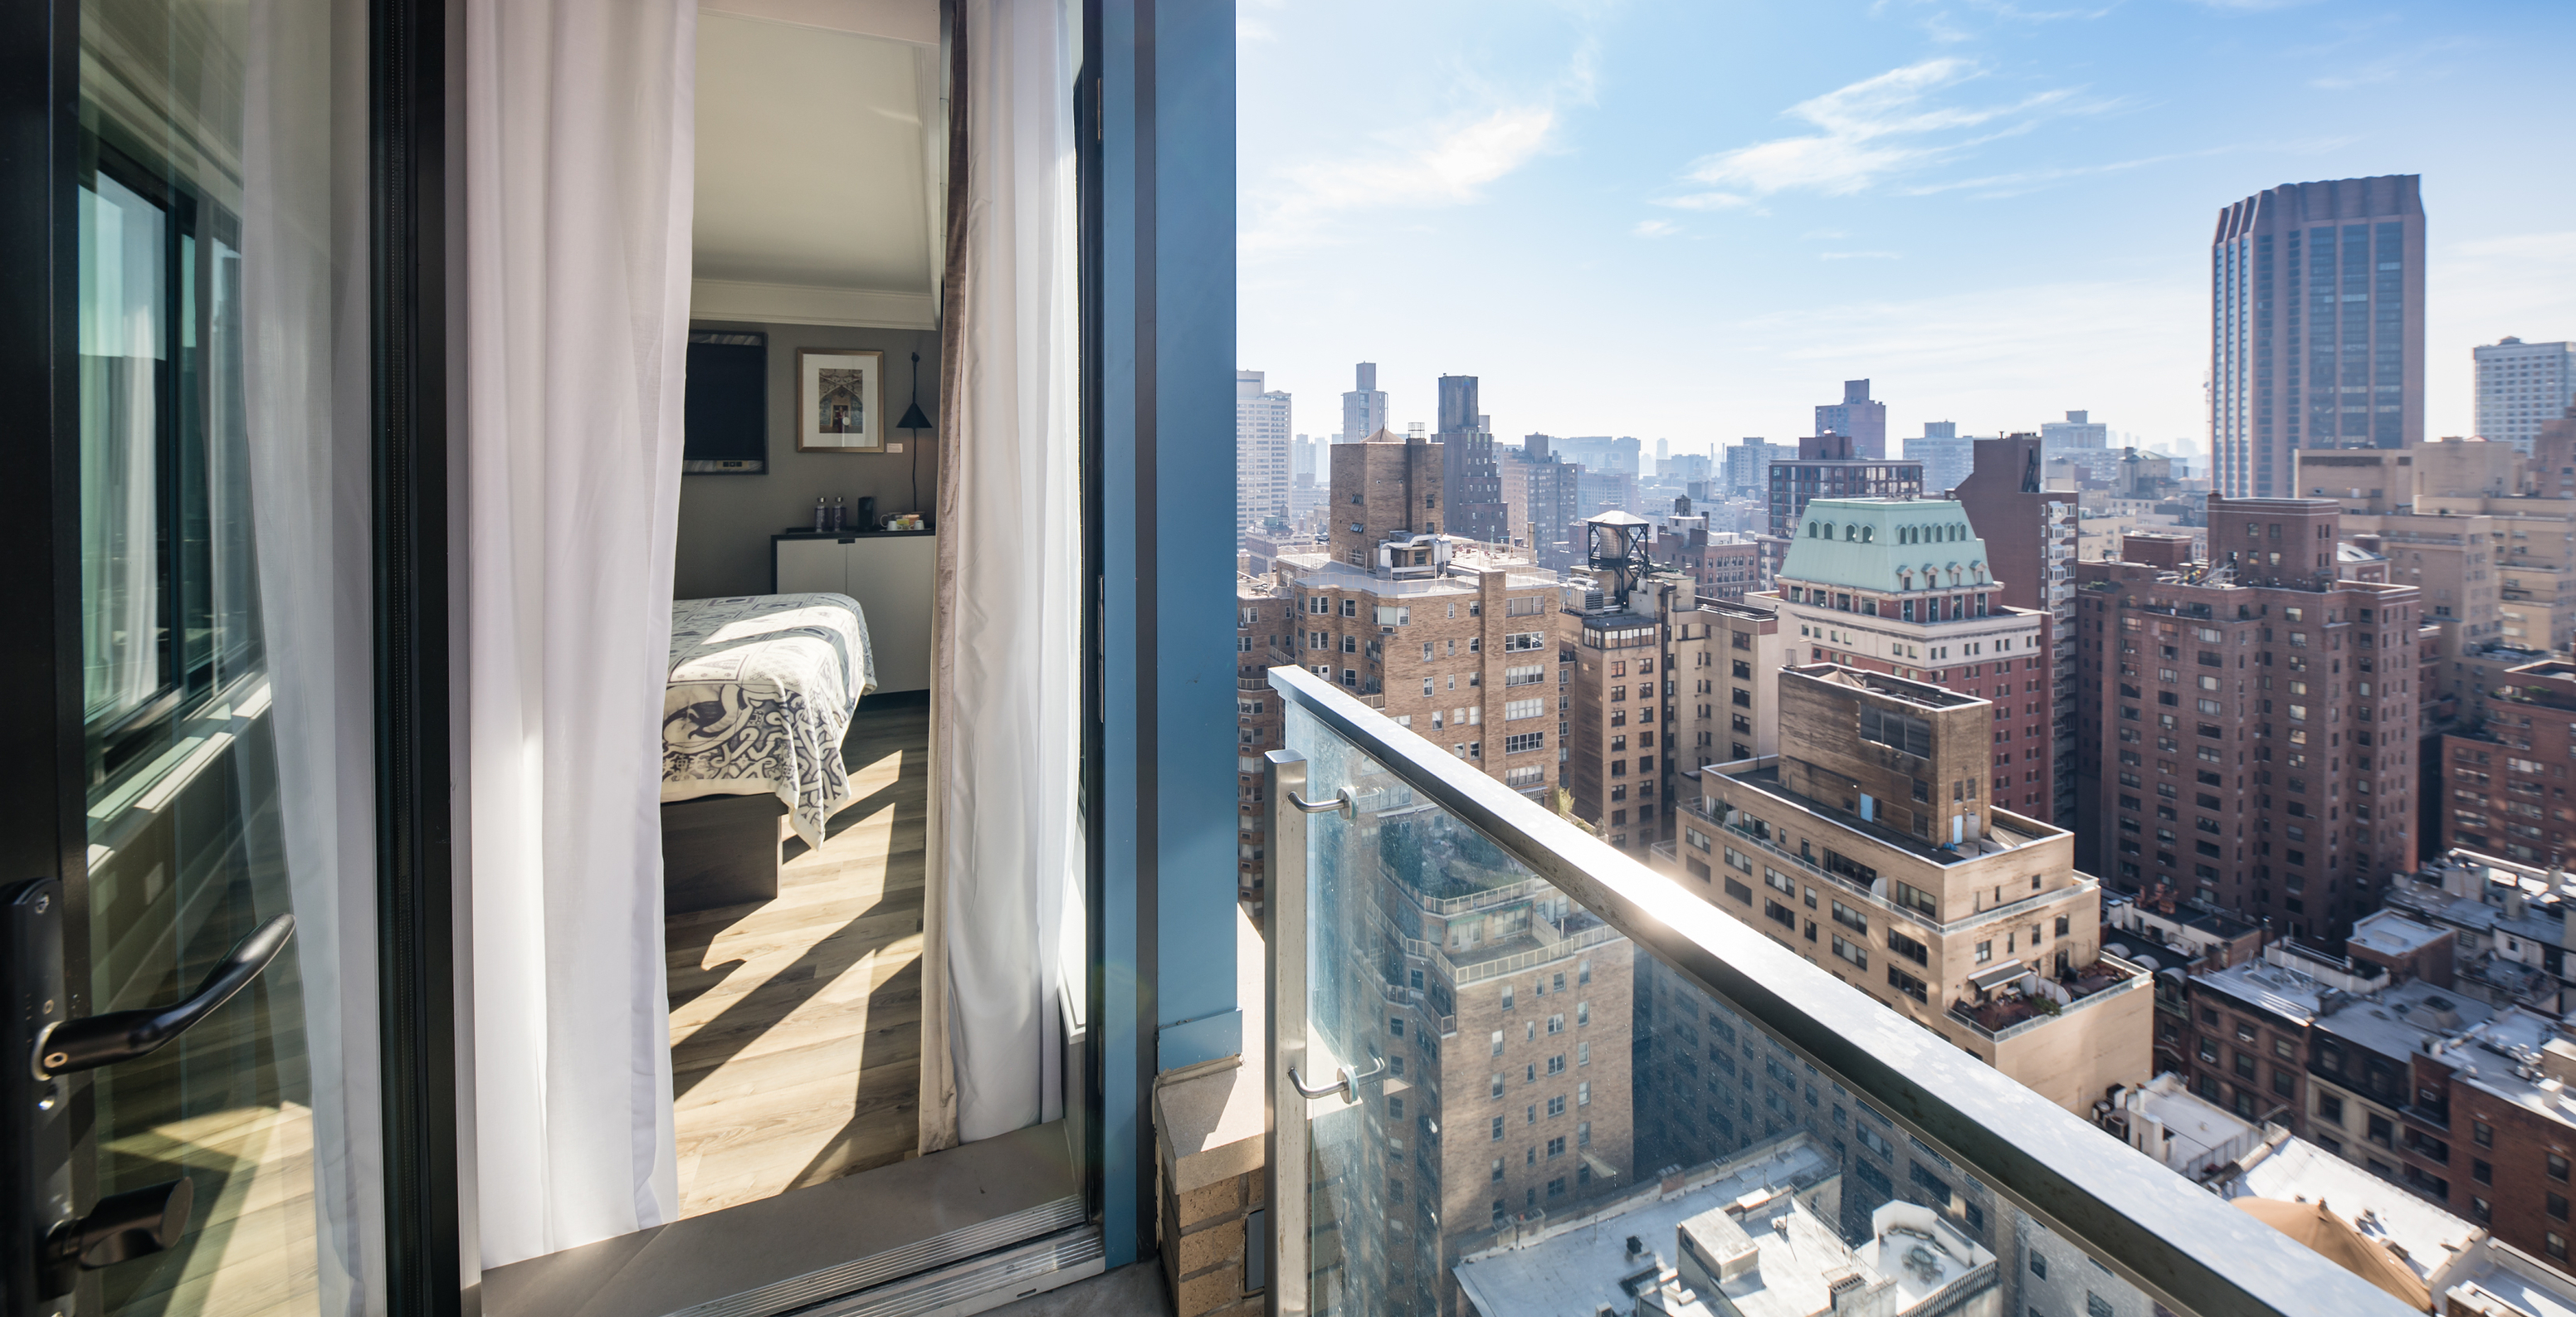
(1693, 221)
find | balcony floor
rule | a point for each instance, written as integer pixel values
(796, 1022)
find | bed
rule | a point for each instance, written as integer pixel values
(761, 692)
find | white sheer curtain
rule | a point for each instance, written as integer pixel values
(1006, 715)
(578, 155)
(306, 422)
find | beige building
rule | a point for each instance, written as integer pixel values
(2466, 468)
(2451, 563)
(1453, 640)
(1503, 1015)
(1838, 848)
(2534, 546)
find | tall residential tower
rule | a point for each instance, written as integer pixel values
(1858, 416)
(2316, 326)
(1363, 408)
(1260, 453)
(2522, 387)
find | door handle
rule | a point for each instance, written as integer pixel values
(133, 1224)
(1347, 1084)
(1343, 802)
(96, 1040)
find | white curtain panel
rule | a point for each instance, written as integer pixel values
(1007, 716)
(306, 427)
(578, 163)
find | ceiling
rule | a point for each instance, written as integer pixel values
(818, 162)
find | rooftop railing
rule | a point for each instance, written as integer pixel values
(1587, 1074)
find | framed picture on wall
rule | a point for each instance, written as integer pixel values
(836, 401)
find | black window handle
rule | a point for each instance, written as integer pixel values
(96, 1040)
(123, 1227)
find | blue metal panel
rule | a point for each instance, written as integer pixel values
(1194, 482)
(1123, 1081)
(1166, 380)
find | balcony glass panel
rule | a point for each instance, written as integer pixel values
(1572, 1082)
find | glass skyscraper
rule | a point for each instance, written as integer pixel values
(2316, 327)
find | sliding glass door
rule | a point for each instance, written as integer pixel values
(191, 1030)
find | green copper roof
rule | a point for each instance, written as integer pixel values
(1886, 544)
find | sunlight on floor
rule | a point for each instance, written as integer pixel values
(795, 1024)
(249, 1249)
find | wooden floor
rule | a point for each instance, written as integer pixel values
(796, 1023)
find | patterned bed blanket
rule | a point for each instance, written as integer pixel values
(762, 689)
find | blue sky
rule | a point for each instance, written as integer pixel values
(1692, 221)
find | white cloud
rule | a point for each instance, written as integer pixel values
(1452, 167)
(1445, 162)
(1707, 201)
(1871, 129)
(1656, 228)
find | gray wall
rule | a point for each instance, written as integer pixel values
(726, 521)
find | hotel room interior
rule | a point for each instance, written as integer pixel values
(589, 627)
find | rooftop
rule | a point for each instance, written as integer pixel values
(2501, 1283)
(2420, 1236)
(1799, 1259)
(2126, 914)
(2391, 933)
(1580, 1262)
(2399, 1020)
(1888, 544)
(2004, 831)
(2197, 1132)
(1917, 693)
(2283, 991)
(1321, 571)
(2504, 1057)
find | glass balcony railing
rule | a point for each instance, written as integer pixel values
(1515, 1071)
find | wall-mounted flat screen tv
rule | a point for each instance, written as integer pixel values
(726, 419)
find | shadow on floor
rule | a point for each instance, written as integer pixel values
(1130, 1291)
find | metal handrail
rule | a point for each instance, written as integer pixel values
(2153, 1227)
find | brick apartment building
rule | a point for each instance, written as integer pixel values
(1449, 638)
(1502, 1013)
(2468, 1106)
(2505, 785)
(2387, 1057)
(2240, 1035)
(2245, 727)
(1720, 564)
(1868, 846)
(2030, 537)
(1265, 624)
(1659, 681)
(1902, 586)
(1471, 478)
(1539, 501)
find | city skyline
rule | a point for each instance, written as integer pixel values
(2039, 188)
